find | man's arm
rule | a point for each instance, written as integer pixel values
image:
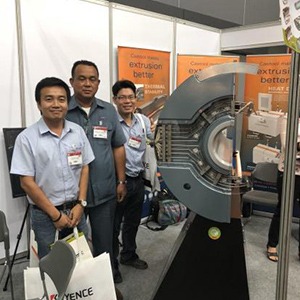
(36, 194)
(77, 210)
(120, 160)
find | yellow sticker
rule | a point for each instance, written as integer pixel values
(214, 233)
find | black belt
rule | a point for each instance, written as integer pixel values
(64, 206)
(139, 175)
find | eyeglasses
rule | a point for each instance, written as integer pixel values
(123, 97)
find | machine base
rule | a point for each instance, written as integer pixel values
(203, 268)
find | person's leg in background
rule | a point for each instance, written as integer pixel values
(101, 218)
(116, 243)
(273, 235)
(101, 221)
(297, 198)
(131, 222)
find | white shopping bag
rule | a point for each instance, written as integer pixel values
(91, 279)
(80, 245)
(76, 239)
(150, 178)
(33, 254)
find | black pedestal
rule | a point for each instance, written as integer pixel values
(204, 268)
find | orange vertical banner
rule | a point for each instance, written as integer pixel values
(148, 69)
(188, 65)
(272, 80)
(268, 91)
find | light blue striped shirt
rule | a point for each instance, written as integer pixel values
(41, 153)
(134, 162)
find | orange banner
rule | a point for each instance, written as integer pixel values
(148, 69)
(188, 65)
(272, 80)
(268, 91)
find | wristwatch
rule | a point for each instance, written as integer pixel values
(83, 203)
(121, 181)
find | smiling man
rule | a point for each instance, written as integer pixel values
(129, 211)
(52, 158)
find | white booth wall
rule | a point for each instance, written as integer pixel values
(10, 115)
(58, 32)
(253, 36)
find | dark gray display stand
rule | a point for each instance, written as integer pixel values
(203, 268)
(10, 135)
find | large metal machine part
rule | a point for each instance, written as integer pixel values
(152, 108)
(195, 141)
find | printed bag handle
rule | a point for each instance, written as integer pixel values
(76, 236)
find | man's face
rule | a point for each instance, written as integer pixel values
(53, 103)
(125, 101)
(85, 82)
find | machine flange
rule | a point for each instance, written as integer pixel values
(195, 139)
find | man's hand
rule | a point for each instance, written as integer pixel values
(121, 192)
(63, 222)
(75, 215)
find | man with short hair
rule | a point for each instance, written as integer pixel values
(52, 158)
(137, 128)
(107, 172)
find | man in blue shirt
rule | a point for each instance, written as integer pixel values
(52, 157)
(130, 209)
(107, 172)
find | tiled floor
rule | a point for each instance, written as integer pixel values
(155, 248)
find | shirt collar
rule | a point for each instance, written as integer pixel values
(75, 104)
(121, 120)
(43, 128)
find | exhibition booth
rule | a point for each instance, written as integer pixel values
(158, 53)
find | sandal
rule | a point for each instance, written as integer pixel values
(272, 256)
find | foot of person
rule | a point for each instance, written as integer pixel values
(135, 263)
(272, 254)
(118, 294)
(117, 276)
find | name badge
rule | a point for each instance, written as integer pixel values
(75, 158)
(134, 142)
(100, 132)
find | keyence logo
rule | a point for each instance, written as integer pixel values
(81, 294)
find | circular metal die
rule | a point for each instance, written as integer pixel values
(217, 146)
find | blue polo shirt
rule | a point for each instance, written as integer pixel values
(102, 117)
(40, 153)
